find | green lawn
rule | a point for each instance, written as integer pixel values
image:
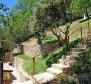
(49, 40)
(40, 64)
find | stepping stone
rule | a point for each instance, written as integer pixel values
(76, 53)
(61, 61)
(88, 41)
(25, 82)
(44, 77)
(54, 71)
(63, 56)
(78, 49)
(60, 66)
(68, 56)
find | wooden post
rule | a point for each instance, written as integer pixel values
(68, 43)
(81, 31)
(88, 28)
(33, 67)
(1, 71)
(52, 54)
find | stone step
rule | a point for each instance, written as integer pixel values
(63, 57)
(61, 61)
(54, 71)
(25, 82)
(44, 77)
(78, 49)
(88, 41)
(67, 61)
(68, 56)
(83, 45)
(60, 66)
(76, 53)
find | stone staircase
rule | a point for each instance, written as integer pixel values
(67, 60)
(64, 63)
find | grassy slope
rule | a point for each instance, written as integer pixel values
(40, 64)
(84, 26)
(74, 26)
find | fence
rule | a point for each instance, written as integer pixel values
(79, 33)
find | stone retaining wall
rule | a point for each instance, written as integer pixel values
(33, 50)
(38, 50)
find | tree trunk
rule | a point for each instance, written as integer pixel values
(66, 40)
(58, 37)
(39, 41)
(87, 14)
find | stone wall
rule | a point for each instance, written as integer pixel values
(38, 50)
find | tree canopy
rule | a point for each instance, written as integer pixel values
(33, 17)
(81, 7)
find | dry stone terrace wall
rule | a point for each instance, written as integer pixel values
(38, 50)
(34, 50)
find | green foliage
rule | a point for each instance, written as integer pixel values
(53, 58)
(63, 80)
(49, 40)
(82, 68)
(84, 63)
(74, 43)
(53, 15)
(79, 7)
(19, 22)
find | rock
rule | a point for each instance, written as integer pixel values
(54, 71)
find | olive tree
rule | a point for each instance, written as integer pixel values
(53, 16)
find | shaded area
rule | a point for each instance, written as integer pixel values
(16, 54)
(85, 20)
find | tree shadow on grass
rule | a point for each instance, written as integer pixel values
(83, 20)
(16, 54)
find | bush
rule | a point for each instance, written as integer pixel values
(54, 58)
(74, 43)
